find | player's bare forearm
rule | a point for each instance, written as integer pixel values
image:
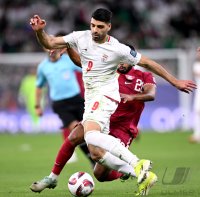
(147, 95)
(47, 41)
(74, 56)
(38, 96)
(157, 69)
(50, 42)
(43, 39)
(186, 86)
(144, 97)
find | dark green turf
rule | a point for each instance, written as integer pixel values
(27, 158)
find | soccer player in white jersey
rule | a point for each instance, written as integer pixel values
(100, 55)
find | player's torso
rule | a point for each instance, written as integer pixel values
(98, 59)
(99, 65)
(131, 83)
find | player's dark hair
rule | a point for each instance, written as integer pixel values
(102, 15)
(131, 46)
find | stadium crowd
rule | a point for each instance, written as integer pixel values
(148, 24)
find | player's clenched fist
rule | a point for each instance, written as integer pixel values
(37, 23)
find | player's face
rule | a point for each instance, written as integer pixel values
(99, 30)
(124, 68)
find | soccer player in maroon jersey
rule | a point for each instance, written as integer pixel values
(135, 87)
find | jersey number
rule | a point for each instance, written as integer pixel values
(95, 106)
(138, 85)
(90, 65)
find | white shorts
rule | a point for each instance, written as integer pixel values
(99, 109)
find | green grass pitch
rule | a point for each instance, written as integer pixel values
(25, 158)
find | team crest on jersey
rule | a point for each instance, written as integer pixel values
(129, 77)
(104, 58)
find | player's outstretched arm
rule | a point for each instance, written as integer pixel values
(148, 94)
(186, 86)
(47, 41)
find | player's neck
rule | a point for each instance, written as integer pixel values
(106, 39)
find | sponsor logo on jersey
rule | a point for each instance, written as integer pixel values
(133, 53)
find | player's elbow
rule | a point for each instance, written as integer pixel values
(150, 97)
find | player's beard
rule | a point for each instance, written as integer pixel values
(97, 37)
(123, 69)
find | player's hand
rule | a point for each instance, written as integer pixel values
(126, 97)
(37, 23)
(186, 86)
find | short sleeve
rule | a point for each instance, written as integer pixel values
(129, 55)
(70, 39)
(149, 78)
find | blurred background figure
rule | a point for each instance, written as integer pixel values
(58, 71)
(195, 138)
(27, 94)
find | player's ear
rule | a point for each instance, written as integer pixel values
(109, 26)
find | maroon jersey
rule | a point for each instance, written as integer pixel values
(123, 123)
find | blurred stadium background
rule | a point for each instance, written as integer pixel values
(167, 31)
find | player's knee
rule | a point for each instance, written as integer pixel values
(95, 156)
(96, 152)
(76, 136)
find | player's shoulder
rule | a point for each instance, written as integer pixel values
(80, 34)
(43, 63)
(137, 72)
(148, 76)
(141, 74)
(115, 42)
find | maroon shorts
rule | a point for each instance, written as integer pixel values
(123, 134)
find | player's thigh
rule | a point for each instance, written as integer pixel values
(77, 135)
(96, 152)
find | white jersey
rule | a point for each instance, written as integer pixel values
(100, 61)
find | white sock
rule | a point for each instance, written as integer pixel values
(110, 144)
(115, 163)
(53, 176)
